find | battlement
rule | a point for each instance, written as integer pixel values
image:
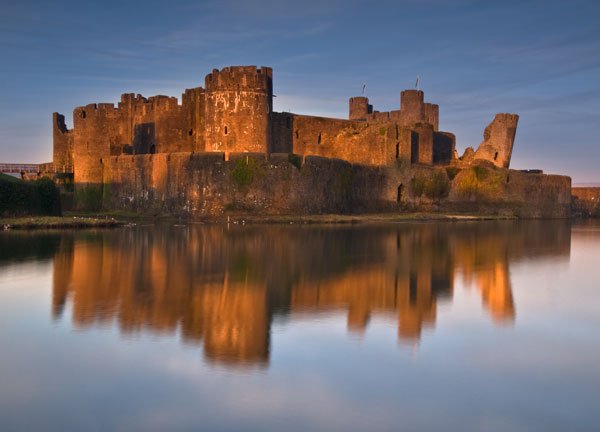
(236, 78)
(192, 94)
(94, 110)
(359, 108)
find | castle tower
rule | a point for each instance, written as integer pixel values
(238, 107)
(412, 106)
(62, 144)
(359, 108)
(95, 133)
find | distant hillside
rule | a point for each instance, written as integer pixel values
(20, 198)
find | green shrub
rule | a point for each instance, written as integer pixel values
(437, 186)
(417, 185)
(295, 160)
(452, 172)
(245, 171)
(89, 198)
(18, 197)
(434, 186)
(480, 183)
(47, 197)
(481, 172)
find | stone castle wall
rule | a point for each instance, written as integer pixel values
(224, 148)
(586, 201)
(205, 184)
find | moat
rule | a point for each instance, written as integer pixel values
(486, 325)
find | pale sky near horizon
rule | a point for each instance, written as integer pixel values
(539, 59)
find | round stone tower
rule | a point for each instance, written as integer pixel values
(238, 107)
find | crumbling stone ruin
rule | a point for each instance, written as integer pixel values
(208, 153)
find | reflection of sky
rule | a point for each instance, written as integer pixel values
(539, 59)
(541, 373)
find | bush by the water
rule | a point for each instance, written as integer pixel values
(18, 197)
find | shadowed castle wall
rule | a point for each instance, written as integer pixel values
(204, 184)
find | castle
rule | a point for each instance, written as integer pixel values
(135, 153)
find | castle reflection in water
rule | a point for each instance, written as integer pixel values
(222, 286)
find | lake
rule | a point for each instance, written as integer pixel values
(484, 326)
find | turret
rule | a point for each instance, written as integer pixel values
(62, 144)
(412, 106)
(238, 107)
(359, 108)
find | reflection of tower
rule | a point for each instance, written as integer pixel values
(236, 322)
(416, 305)
(146, 282)
(63, 267)
(496, 292)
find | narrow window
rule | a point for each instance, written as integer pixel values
(152, 149)
(496, 156)
(319, 138)
(297, 135)
(399, 194)
(191, 132)
(397, 150)
(82, 114)
(225, 130)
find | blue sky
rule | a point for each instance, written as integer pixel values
(540, 59)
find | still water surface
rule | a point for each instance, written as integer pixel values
(487, 326)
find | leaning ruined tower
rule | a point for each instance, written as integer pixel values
(239, 103)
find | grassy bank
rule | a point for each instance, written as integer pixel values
(51, 222)
(352, 219)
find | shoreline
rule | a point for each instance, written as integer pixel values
(56, 222)
(73, 220)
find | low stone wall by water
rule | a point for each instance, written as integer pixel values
(205, 184)
(586, 201)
